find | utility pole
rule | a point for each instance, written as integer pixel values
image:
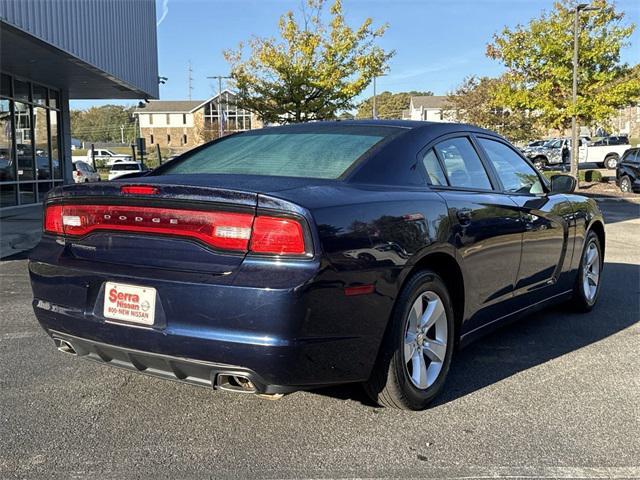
(220, 121)
(374, 113)
(375, 109)
(575, 140)
(122, 134)
(190, 80)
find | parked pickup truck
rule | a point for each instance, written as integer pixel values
(557, 151)
(108, 156)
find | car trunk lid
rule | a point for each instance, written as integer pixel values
(157, 225)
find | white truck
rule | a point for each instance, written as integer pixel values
(108, 157)
(556, 152)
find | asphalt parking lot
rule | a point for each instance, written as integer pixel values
(554, 396)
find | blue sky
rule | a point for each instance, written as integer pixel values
(437, 42)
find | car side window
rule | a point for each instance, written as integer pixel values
(516, 175)
(462, 164)
(433, 168)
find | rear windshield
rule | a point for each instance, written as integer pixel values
(323, 153)
(125, 166)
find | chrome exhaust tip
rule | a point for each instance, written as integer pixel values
(235, 383)
(64, 346)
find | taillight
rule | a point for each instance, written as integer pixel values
(53, 219)
(277, 236)
(239, 232)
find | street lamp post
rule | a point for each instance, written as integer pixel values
(575, 141)
(374, 110)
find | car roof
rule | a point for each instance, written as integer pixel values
(403, 124)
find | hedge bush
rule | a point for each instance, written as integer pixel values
(585, 175)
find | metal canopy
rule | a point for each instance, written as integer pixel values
(24, 55)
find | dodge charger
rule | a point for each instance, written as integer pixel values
(295, 257)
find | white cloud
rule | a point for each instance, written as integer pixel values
(427, 69)
(165, 12)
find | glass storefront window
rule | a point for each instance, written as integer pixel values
(21, 90)
(7, 163)
(31, 160)
(41, 141)
(27, 193)
(43, 188)
(8, 195)
(54, 99)
(39, 95)
(24, 143)
(55, 144)
(5, 85)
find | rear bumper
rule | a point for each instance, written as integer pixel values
(284, 339)
(195, 372)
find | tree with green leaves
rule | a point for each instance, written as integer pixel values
(102, 124)
(475, 101)
(388, 105)
(313, 71)
(539, 63)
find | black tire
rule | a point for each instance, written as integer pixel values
(390, 384)
(580, 301)
(611, 162)
(625, 184)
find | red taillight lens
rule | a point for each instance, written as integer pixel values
(277, 236)
(224, 230)
(239, 232)
(53, 219)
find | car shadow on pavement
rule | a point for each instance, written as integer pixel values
(16, 256)
(534, 340)
(616, 208)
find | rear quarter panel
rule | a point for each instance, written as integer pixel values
(368, 235)
(586, 213)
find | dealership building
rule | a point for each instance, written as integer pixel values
(53, 51)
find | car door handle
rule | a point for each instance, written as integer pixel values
(464, 216)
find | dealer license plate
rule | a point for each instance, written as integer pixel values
(129, 303)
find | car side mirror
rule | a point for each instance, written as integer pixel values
(563, 184)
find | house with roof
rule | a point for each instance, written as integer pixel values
(432, 108)
(184, 124)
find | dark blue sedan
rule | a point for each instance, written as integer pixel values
(302, 256)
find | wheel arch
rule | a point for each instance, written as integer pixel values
(598, 228)
(446, 267)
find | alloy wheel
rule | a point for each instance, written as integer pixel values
(591, 271)
(425, 340)
(625, 185)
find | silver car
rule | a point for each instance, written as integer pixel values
(83, 172)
